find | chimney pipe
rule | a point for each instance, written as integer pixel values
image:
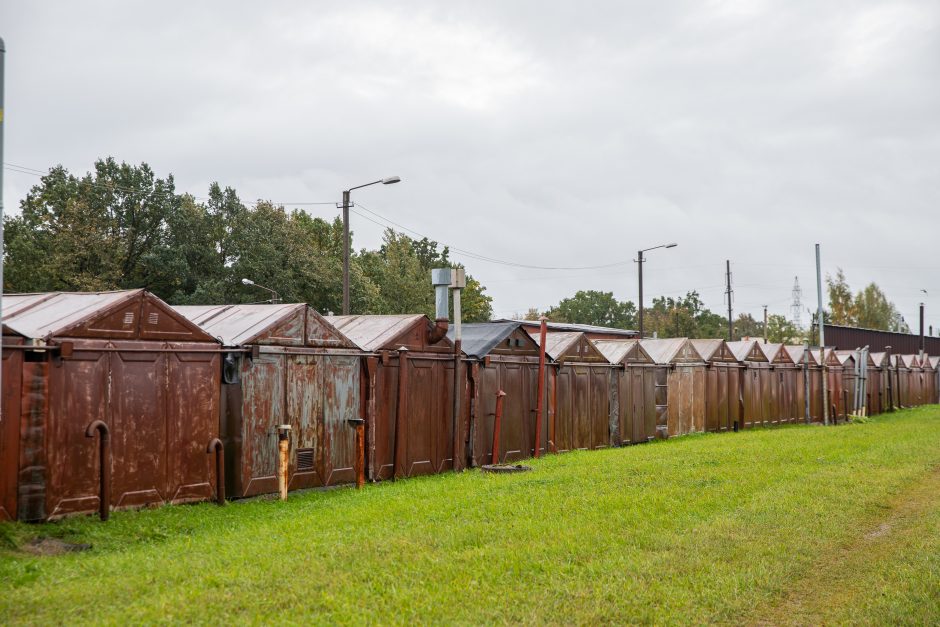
(440, 279)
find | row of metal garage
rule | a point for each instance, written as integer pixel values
(117, 400)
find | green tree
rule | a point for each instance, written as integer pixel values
(101, 231)
(594, 307)
(746, 326)
(875, 311)
(779, 329)
(841, 303)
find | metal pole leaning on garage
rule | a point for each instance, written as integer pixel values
(822, 341)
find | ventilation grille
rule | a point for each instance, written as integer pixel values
(129, 317)
(304, 459)
(153, 318)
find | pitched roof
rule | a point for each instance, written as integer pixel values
(377, 332)
(796, 355)
(747, 350)
(289, 324)
(672, 350)
(714, 350)
(590, 329)
(478, 339)
(910, 361)
(623, 351)
(47, 314)
(123, 314)
(775, 353)
(573, 346)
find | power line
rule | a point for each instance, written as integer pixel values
(486, 258)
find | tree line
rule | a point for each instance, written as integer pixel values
(122, 227)
(688, 317)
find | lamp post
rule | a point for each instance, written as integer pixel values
(274, 299)
(639, 262)
(386, 181)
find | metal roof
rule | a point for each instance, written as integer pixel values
(796, 354)
(119, 314)
(774, 352)
(41, 316)
(910, 361)
(745, 350)
(236, 325)
(879, 358)
(617, 351)
(671, 350)
(570, 326)
(374, 332)
(479, 338)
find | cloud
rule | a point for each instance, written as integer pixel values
(552, 134)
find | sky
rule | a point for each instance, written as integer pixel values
(553, 139)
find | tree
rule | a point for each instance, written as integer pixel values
(683, 317)
(875, 311)
(781, 330)
(95, 233)
(594, 307)
(122, 227)
(841, 304)
(746, 326)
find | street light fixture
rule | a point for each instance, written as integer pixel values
(389, 180)
(639, 262)
(274, 300)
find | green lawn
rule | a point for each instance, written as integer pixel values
(796, 524)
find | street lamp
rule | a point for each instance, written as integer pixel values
(386, 181)
(639, 262)
(274, 300)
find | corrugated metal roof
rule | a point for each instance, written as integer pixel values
(844, 356)
(570, 326)
(373, 332)
(615, 351)
(707, 348)
(42, 316)
(671, 350)
(558, 342)
(743, 349)
(774, 352)
(236, 325)
(479, 338)
(796, 354)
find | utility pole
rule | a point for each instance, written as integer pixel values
(822, 341)
(639, 265)
(728, 293)
(765, 324)
(346, 253)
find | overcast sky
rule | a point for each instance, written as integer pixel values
(545, 134)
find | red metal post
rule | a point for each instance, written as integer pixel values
(216, 446)
(104, 462)
(360, 455)
(401, 415)
(496, 424)
(541, 386)
(552, 405)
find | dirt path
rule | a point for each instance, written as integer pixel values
(842, 578)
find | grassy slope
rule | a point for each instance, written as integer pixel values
(798, 524)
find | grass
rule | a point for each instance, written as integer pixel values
(800, 525)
